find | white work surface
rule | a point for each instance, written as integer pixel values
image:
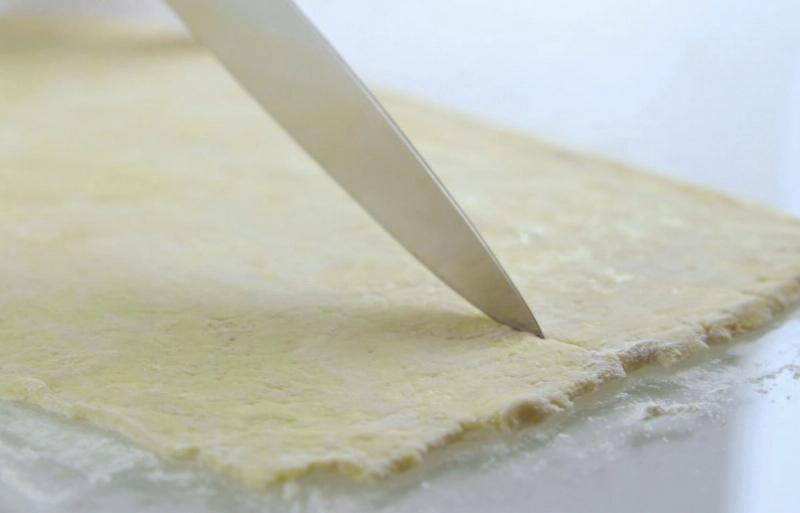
(706, 91)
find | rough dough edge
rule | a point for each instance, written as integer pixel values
(737, 319)
(523, 411)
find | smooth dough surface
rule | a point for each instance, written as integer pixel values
(174, 269)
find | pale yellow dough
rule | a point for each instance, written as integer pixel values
(174, 269)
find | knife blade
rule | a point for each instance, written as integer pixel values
(278, 55)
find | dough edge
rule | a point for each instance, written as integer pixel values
(518, 413)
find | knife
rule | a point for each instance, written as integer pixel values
(287, 65)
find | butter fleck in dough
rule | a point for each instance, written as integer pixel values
(173, 268)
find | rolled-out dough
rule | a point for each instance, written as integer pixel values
(175, 269)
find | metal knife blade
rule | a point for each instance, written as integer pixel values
(278, 55)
